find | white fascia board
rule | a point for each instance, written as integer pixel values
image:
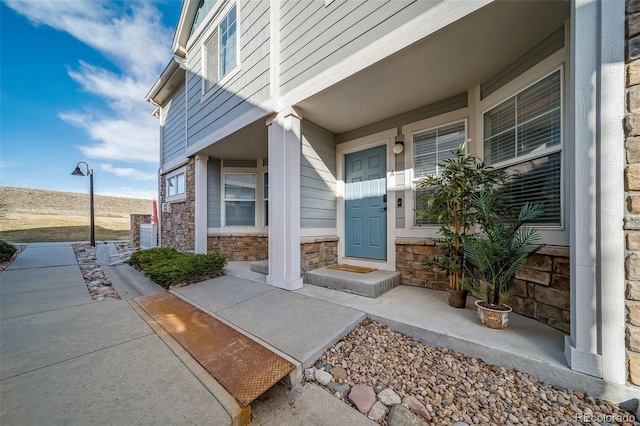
(181, 36)
(167, 75)
(438, 17)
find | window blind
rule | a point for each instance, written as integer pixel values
(430, 148)
(529, 124)
(211, 62)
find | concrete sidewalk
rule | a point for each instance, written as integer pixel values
(69, 360)
(66, 359)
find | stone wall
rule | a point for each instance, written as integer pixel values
(240, 246)
(542, 287)
(318, 252)
(632, 191)
(134, 228)
(178, 226)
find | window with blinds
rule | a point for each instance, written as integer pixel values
(430, 148)
(523, 136)
(211, 62)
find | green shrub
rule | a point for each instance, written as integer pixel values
(144, 258)
(168, 267)
(7, 250)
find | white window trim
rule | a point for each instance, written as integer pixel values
(265, 199)
(549, 234)
(411, 230)
(177, 197)
(211, 29)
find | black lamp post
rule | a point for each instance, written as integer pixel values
(78, 172)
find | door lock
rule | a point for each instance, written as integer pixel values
(384, 198)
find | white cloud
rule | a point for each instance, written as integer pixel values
(127, 172)
(132, 36)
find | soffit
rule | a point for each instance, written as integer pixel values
(449, 62)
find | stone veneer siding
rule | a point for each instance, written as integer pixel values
(315, 252)
(632, 191)
(240, 246)
(318, 252)
(178, 227)
(542, 287)
(134, 229)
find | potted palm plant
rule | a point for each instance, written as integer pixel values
(496, 255)
(447, 198)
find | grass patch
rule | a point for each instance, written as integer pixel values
(170, 268)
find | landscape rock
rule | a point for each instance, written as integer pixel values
(323, 377)
(309, 374)
(338, 373)
(378, 412)
(342, 389)
(399, 415)
(363, 397)
(388, 397)
(416, 407)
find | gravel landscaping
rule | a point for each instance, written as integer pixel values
(98, 284)
(396, 380)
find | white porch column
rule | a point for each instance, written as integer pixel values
(596, 343)
(201, 203)
(284, 200)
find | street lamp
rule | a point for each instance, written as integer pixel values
(78, 172)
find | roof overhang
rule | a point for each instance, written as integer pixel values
(170, 79)
(181, 36)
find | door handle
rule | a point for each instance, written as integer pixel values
(384, 198)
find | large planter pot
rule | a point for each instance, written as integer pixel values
(493, 318)
(457, 298)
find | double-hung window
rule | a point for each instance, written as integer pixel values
(220, 50)
(523, 136)
(240, 199)
(430, 148)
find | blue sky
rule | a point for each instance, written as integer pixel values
(73, 78)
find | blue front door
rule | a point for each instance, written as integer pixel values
(365, 204)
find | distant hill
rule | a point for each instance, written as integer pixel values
(41, 201)
(36, 215)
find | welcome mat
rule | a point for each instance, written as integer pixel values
(351, 268)
(243, 367)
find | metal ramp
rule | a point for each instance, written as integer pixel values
(243, 367)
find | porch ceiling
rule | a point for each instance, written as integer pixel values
(447, 63)
(248, 143)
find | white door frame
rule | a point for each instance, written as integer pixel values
(386, 138)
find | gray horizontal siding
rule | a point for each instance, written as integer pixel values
(249, 87)
(213, 193)
(549, 45)
(315, 37)
(317, 177)
(173, 135)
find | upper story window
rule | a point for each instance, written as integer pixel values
(175, 185)
(204, 7)
(220, 50)
(523, 136)
(430, 148)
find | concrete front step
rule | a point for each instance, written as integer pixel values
(261, 267)
(371, 284)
